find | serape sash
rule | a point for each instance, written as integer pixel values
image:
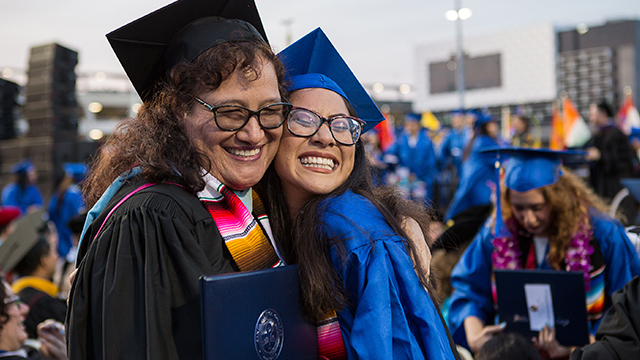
(247, 236)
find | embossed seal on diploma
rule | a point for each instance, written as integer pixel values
(269, 335)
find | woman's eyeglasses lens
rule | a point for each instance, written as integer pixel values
(345, 130)
(13, 300)
(230, 117)
(234, 117)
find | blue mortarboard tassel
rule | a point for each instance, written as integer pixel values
(313, 62)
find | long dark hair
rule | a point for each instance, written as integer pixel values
(302, 244)
(477, 131)
(156, 139)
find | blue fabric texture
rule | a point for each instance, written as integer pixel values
(61, 211)
(391, 315)
(14, 196)
(421, 159)
(476, 178)
(102, 203)
(471, 277)
(452, 149)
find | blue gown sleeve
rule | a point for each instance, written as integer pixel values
(471, 279)
(390, 315)
(35, 197)
(425, 169)
(620, 257)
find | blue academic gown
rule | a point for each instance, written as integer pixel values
(476, 180)
(72, 204)
(453, 148)
(471, 277)
(421, 159)
(12, 195)
(391, 315)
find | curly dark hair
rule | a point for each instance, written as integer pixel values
(156, 139)
(571, 200)
(302, 243)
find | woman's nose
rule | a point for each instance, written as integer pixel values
(24, 309)
(529, 217)
(323, 136)
(252, 132)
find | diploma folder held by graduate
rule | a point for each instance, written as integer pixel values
(255, 315)
(529, 299)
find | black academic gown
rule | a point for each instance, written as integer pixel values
(616, 162)
(618, 336)
(136, 293)
(41, 307)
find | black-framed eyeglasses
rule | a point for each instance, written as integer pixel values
(235, 117)
(13, 300)
(346, 130)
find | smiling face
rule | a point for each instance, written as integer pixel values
(531, 210)
(318, 164)
(13, 333)
(238, 158)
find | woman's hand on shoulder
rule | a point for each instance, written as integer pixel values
(416, 237)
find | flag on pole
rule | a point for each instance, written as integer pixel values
(628, 115)
(576, 130)
(430, 121)
(386, 133)
(556, 138)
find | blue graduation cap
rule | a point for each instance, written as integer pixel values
(412, 117)
(459, 112)
(472, 113)
(527, 169)
(483, 117)
(77, 171)
(633, 185)
(313, 62)
(21, 166)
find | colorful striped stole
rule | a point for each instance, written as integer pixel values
(330, 345)
(247, 236)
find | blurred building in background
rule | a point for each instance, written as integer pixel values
(525, 70)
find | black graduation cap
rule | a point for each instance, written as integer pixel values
(23, 238)
(150, 46)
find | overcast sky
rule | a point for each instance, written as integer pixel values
(376, 37)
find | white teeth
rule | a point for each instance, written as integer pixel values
(243, 153)
(318, 162)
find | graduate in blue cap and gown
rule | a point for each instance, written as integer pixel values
(548, 220)
(363, 271)
(65, 203)
(414, 150)
(454, 144)
(23, 192)
(477, 182)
